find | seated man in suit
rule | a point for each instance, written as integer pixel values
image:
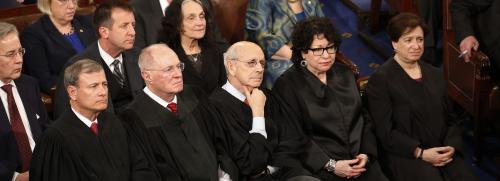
(260, 137)
(87, 142)
(115, 23)
(22, 113)
(172, 122)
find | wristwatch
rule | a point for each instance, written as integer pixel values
(330, 166)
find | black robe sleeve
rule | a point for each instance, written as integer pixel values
(53, 160)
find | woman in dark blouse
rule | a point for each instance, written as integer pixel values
(408, 103)
(186, 28)
(326, 99)
(53, 39)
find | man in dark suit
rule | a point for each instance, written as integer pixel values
(87, 142)
(173, 123)
(149, 15)
(114, 50)
(22, 113)
(475, 23)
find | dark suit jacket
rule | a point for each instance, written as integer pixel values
(130, 59)
(47, 51)
(148, 17)
(407, 114)
(30, 95)
(479, 18)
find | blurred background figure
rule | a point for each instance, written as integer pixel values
(53, 39)
(269, 24)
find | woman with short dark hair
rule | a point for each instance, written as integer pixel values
(326, 99)
(408, 103)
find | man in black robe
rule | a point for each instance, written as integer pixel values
(172, 122)
(86, 143)
(260, 139)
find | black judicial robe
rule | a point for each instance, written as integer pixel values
(407, 114)
(332, 118)
(179, 147)
(69, 150)
(252, 152)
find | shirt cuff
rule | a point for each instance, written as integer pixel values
(223, 176)
(272, 169)
(259, 126)
(15, 176)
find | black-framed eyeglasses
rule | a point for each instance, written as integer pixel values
(252, 63)
(170, 69)
(13, 53)
(319, 51)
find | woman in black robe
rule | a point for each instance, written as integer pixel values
(326, 99)
(186, 28)
(408, 103)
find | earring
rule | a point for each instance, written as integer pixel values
(303, 63)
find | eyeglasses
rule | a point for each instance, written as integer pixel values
(252, 63)
(319, 51)
(170, 69)
(65, 2)
(13, 53)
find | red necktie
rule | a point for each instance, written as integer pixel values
(173, 107)
(246, 102)
(17, 126)
(93, 128)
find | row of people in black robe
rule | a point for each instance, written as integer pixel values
(312, 126)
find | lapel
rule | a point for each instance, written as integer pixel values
(156, 10)
(24, 93)
(207, 62)
(309, 9)
(285, 8)
(134, 78)
(153, 114)
(83, 33)
(4, 120)
(55, 35)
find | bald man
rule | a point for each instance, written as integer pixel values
(172, 122)
(262, 139)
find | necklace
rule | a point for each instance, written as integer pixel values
(70, 31)
(293, 1)
(194, 57)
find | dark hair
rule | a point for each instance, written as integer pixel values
(402, 23)
(72, 73)
(102, 15)
(170, 32)
(304, 32)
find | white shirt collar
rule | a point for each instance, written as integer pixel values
(11, 83)
(108, 59)
(82, 118)
(158, 99)
(233, 91)
(163, 4)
